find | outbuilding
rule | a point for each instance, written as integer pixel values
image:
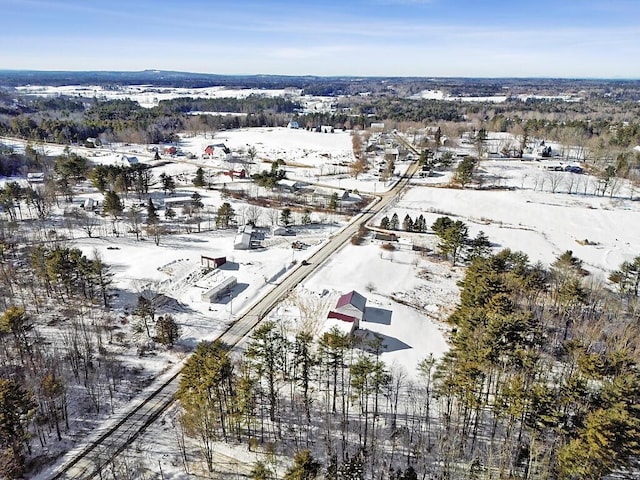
(220, 290)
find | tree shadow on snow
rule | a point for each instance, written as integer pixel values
(367, 338)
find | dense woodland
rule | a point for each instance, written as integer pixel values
(541, 381)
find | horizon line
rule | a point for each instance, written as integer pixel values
(349, 76)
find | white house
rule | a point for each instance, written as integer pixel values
(35, 177)
(178, 202)
(244, 240)
(129, 160)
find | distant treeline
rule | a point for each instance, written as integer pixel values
(600, 121)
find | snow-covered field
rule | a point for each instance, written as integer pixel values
(149, 95)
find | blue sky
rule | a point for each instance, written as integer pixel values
(481, 38)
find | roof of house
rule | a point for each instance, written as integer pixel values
(341, 316)
(328, 192)
(352, 298)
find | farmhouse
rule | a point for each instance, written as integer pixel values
(324, 192)
(178, 202)
(217, 150)
(348, 312)
(236, 173)
(290, 185)
(246, 238)
(129, 160)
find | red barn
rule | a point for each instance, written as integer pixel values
(350, 309)
(217, 149)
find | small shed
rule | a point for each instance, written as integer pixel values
(211, 262)
(89, 204)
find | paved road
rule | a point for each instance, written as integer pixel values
(89, 462)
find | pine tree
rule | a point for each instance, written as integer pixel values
(224, 215)
(260, 471)
(196, 202)
(168, 183)
(407, 223)
(17, 407)
(266, 351)
(305, 362)
(394, 222)
(306, 217)
(464, 171)
(305, 467)
(453, 236)
(285, 217)
(152, 215)
(206, 390)
(167, 330)
(112, 204)
(333, 202)
(480, 246)
(146, 310)
(198, 180)
(627, 277)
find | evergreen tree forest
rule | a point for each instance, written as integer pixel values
(541, 382)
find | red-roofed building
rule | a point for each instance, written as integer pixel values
(349, 309)
(218, 149)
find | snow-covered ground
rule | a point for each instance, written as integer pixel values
(150, 96)
(410, 294)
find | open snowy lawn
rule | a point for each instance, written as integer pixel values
(405, 310)
(541, 224)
